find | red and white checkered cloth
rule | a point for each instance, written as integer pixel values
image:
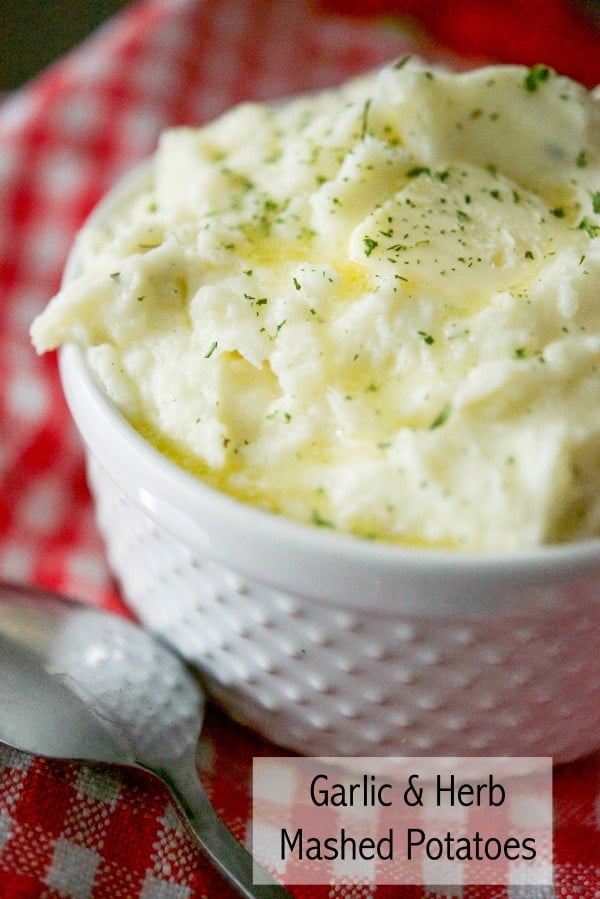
(67, 831)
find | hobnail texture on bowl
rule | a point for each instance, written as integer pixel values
(332, 645)
(324, 680)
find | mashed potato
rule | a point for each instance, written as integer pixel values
(376, 309)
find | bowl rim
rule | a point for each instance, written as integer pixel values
(180, 491)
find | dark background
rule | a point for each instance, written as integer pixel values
(34, 32)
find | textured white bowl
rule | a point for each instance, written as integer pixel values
(332, 645)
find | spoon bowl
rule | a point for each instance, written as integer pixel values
(77, 683)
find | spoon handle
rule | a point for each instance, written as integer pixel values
(218, 843)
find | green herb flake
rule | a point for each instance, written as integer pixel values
(141, 299)
(528, 254)
(320, 520)
(591, 229)
(418, 170)
(427, 338)
(115, 275)
(365, 119)
(213, 347)
(596, 201)
(297, 284)
(535, 76)
(520, 352)
(442, 417)
(581, 160)
(369, 245)
(558, 212)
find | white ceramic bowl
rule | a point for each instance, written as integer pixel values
(332, 645)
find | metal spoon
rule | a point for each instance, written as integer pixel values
(77, 683)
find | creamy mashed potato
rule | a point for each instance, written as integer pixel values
(376, 309)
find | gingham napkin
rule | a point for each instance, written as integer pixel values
(70, 831)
